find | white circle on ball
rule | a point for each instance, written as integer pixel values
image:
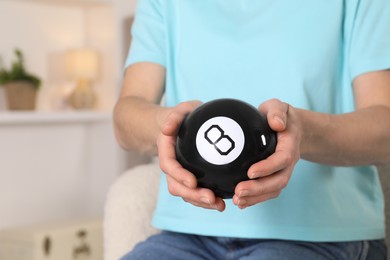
(220, 140)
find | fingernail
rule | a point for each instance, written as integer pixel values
(255, 175)
(277, 118)
(205, 200)
(187, 184)
(243, 193)
(235, 200)
(241, 203)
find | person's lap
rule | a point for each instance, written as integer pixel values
(171, 246)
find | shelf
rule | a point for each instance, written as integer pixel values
(12, 118)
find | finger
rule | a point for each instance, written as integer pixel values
(285, 155)
(177, 189)
(270, 184)
(170, 166)
(200, 197)
(275, 162)
(176, 117)
(245, 202)
(173, 123)
(218, 205)
(276, 112)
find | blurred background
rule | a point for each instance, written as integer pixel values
(61, 67)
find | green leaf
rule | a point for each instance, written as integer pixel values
(17, 72)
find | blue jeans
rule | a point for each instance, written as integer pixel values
(171, 246)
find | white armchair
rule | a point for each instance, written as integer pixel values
(129, 206)
(131, 201)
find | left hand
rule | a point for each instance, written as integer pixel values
(181, 182)
(270, 176)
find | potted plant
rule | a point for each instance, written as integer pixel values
(21, 87)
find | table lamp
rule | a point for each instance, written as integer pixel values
(82, 66)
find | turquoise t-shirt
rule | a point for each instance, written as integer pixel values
(304, 52)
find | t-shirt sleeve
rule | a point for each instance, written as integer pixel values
(148, 34)
(370, 38)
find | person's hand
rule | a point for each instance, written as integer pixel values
(270, 176)
(181, 182)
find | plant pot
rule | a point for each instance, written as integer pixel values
(21, 95)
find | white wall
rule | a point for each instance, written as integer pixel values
(51, 171)
(123, 9)
(39, 29)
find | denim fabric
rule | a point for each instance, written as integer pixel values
(172, 246)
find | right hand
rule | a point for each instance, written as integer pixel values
(181, 182)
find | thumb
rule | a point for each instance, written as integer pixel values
(276, 112)
(177, 115)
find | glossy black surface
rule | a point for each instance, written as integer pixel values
(222, 179)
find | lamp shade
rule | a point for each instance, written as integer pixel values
(82, 64)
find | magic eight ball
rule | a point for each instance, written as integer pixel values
(220, 140)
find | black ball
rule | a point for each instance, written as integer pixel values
(220, 140)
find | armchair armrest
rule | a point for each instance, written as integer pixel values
(128, 210)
